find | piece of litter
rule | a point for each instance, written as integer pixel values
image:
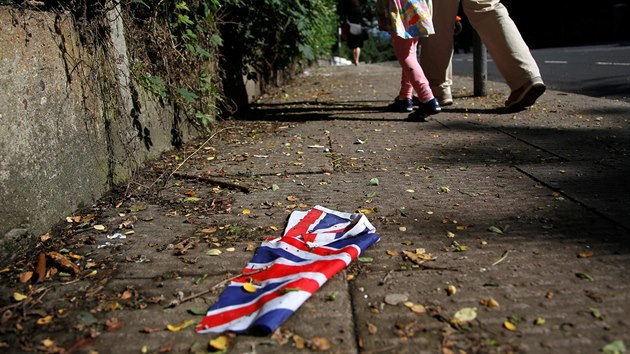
(116, 235)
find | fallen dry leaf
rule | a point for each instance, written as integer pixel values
(219, 343)
(451, 290)
(249, 287)
(19, 296)
(372, 329)
(319, 343)
(509, 326)
(585, 254)
(489, 302)
(179, 327)
(25, 277)
(112, 324)
(41, 267)
(419, 256)
(63, 263)
(465, 314)
(416, 308)
(127, 294)
(299, 342)
(45, 320)
(151, 329)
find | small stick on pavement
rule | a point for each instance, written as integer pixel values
(503, 257)
(214, 287)
(189, 156)
(219, 182)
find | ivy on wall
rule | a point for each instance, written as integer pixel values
(188, 53)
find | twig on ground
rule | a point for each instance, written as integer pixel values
(503, 257)
(177, 302)
(189, 156)
(216, 181)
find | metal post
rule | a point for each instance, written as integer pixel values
(480, 66)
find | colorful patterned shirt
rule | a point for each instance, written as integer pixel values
(405, 18)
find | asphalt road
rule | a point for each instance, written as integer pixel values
(596, 71)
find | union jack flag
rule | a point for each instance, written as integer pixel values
(287, 270)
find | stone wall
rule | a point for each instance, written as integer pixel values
(72, 124)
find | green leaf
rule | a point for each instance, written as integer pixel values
(584, 276)
(614, 347)
(191, 199)
(274, 187)
(197, 311)
(190, 97)
(491, 283)
(365, 259)
(466, 314)
(496, 230)
(216, 40)
(458, 248)
(202, 52)
(374, 182)
(596, 313)
(201, 279)
(182, 6)
(185, 20)
(515, 318)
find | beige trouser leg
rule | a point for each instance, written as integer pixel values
(436, 51)
(497, 31)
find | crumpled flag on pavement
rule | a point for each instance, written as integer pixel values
(287, 270)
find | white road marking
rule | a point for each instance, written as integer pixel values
(612, 64)
(556, 62)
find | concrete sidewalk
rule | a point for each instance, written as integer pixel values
(527, 211)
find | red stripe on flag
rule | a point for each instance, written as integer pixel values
(281, 270)
(302, 226)
(328, 268)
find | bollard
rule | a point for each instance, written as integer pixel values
(480, 65)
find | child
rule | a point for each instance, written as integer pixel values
(407, 21)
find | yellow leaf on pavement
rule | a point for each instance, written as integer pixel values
(45, 320)
(509, 326)
(48, 342)
(19, 296)
(219, 343)
(180, 326)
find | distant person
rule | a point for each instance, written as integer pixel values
(504, 42)
(352, 28)
(407, 21)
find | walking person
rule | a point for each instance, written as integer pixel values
(407, 21)
(352, 27)
(499, 34)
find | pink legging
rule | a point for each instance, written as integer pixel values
(412, 75)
